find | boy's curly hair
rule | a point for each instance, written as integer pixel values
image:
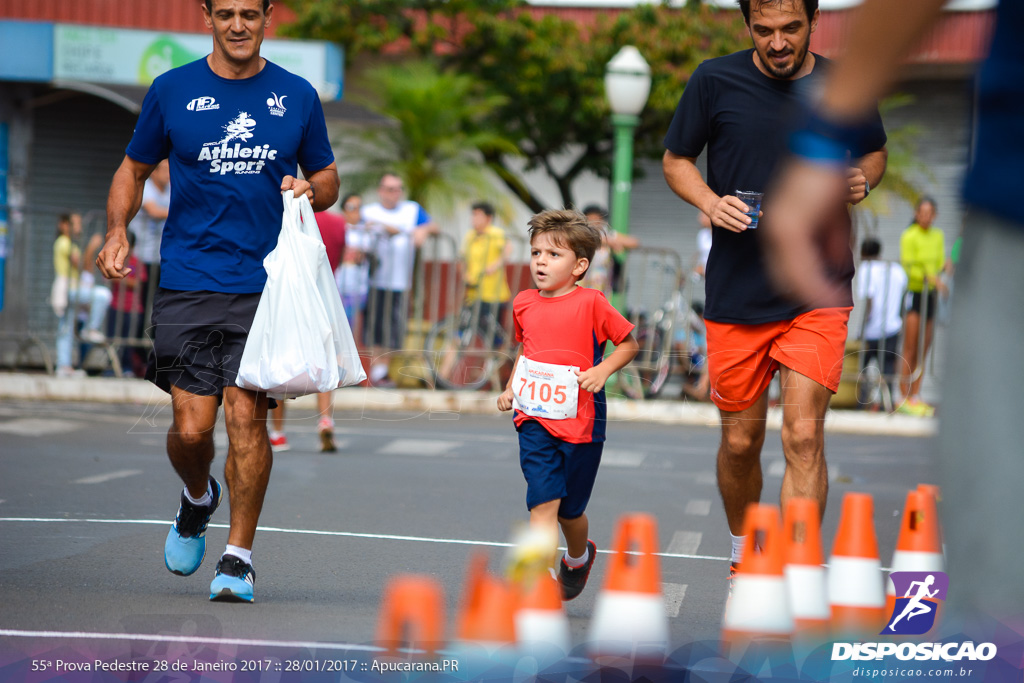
(568, 228)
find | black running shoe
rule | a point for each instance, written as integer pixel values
(574, 580)
(234, 580)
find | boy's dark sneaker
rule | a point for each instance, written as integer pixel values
(185, 546)
(234, 580)
(574, 580)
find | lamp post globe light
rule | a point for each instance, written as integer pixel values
(627, 84)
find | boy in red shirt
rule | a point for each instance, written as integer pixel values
(557, 388)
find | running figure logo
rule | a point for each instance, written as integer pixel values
(914, 613)
(239, 128)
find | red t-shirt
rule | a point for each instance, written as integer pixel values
(124, 297)
(332, 232)
(570, 330)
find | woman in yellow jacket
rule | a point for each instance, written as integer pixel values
(923, 255)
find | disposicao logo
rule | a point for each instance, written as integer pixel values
(915, 612)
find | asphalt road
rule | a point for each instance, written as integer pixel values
(86, 496)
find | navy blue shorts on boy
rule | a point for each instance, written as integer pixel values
(556, 469)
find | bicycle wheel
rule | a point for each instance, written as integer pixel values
(460, 358)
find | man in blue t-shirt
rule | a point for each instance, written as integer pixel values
(740, 108)
(235, 128)
(981, 431)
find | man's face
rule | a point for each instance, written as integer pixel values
(390, 191)
(238, 27)
(480, 220)
(781, 35)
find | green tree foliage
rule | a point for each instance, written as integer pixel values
(548, 71)
(551, 72)
(434, 140)
(369, 26)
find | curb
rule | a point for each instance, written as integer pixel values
(36, 387)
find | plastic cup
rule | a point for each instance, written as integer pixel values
(753, 202)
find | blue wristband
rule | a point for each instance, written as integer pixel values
(826, 141)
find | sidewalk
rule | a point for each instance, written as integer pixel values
(39, 387)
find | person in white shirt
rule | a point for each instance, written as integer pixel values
(148, 225)
(401, 227)
(881, 285)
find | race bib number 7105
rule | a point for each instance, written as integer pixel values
(545, 389)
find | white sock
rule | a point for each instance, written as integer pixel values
(241, 553)
(737, 548)
(203, 500)
(274, 434)
(378, 372)
(577, 562)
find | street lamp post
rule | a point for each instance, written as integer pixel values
(627, 83)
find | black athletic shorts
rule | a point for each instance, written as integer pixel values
(198, 339)
(916, 298)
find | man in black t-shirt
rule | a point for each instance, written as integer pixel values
(740, 107)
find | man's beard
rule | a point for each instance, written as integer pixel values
(799, 58)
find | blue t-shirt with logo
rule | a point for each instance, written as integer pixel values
(230, 143)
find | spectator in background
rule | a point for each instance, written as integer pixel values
(353, 275)
(332, 232)
(148, 224)
(400, 227)
(605, 272)
(881, 285)
(923, 255)
(70, 291)
(484, 252)
(128, 308)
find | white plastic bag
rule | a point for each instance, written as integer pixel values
(300, 341)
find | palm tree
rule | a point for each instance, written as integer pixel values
(433, 139)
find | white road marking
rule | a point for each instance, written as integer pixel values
(614, 457)
(30, 426)
(320, 532)
(698, 506)
(424, 447)
(685, 542)
(674, 594)
(242, 642)
(109, 476)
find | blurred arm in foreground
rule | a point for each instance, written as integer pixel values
(814, 183)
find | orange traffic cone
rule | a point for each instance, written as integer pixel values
(855, 572)
(918, 547)
(412, 614)
(936, 494)
(629, 617)
(488, 608)
(759, 606)
(541, 621)
(805, 575)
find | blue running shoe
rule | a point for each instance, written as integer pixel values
(185, 546)
(234, 580)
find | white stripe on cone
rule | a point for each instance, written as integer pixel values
(914, 561)
(627, 623)
(808, 595)
(541, 627)
(759, 605)
(855, 582)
